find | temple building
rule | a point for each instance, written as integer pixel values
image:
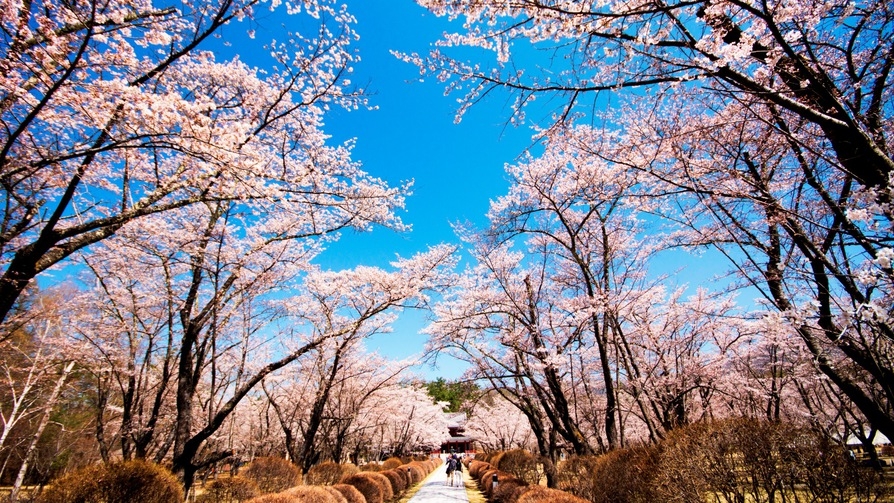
(457, 442)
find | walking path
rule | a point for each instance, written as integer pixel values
(435, 489)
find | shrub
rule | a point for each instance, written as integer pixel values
(272, 474)
(273, 498)
(685, 474)
(125, 482)
(540, 494)
(328, 473)
(416, 471)
(385, 484)
(517, 493)
(575, 475)
(391, 463)
(485, 477)
(350, 493)
(507, 491)
(522, 464)
(621, 475)
(487, 481)
(337, 496)
(310, 494)
(496, 457)
(486, 456)
(229, 490)
(748, 459)
(397, 479)
(367, 485)
(475, 467)
(810, 459)
(405, 475)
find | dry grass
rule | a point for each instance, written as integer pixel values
(475, 496)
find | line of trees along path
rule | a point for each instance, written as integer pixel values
(193, 193)
(756, 132)
(186, 198)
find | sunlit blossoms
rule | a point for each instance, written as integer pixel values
(759, 131)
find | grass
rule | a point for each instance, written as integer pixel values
(475, 496)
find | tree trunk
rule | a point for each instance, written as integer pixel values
(44, 421)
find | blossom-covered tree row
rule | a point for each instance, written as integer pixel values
(759, 131)
(184, 200)
(185, 196)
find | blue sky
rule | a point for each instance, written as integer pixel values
(457, 168)
(411, 134)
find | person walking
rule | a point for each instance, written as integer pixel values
(458, 471)
(451, 466)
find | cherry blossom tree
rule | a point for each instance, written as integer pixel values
(771, 374)
(37, 363)
(500, 321)
(352, 306)
(285, 407)
(674, 355)
(401, 419)
(577, 217)
(344, 434)
(223, 315)
(497, 425)
(829, 65)
(132, 331)
(765, 128)
(796, 228)
(310, 408)
(114, 111)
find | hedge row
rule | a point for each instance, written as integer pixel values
(354, 485)
(736, 459)
(124, 482)
(739, 459)
(266, 480)
(500, 486)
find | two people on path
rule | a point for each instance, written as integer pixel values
(454, 470)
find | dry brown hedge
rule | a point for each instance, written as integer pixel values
(485, 477)
(350, 493)
(496, 457)
(522, 464)
(417, 471)
(475, 467)
(391, 463)
(397, 479)
(310, 494)
(273, 498)
(272, 474)
(540, 494)
(508, 491)
(328, 473)
(336, 494)
(229, 490)
(367, 485)
(743, 459)
(385, 484)
(133, 481)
